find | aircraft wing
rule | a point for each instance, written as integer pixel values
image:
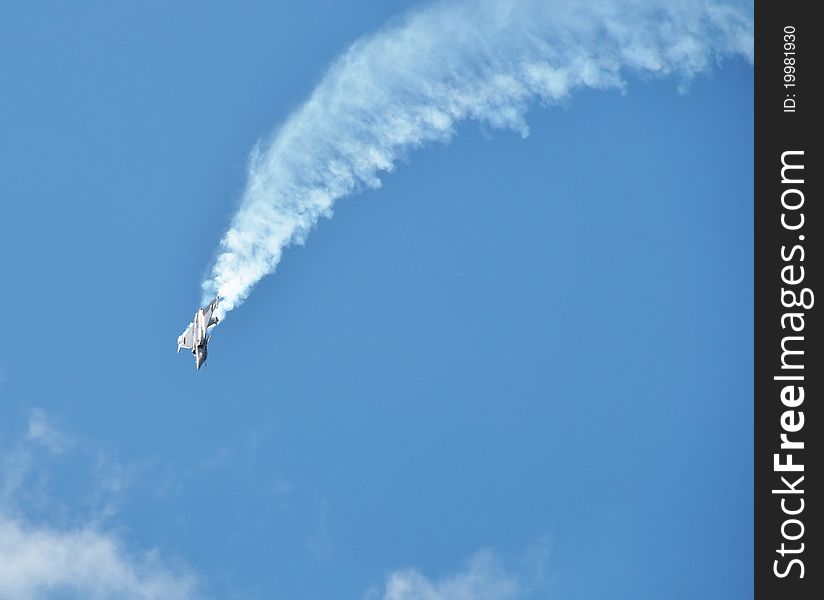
(186, 339)
(209, 311)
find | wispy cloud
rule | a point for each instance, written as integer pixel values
(41, 431)
(484, 577)
(413, 82)
(45, 562)
(43, 557)
(33, 463)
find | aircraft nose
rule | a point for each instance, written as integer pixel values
(200, 358)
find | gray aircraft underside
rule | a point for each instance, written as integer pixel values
(195, 336)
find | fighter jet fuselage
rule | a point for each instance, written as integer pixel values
(195, 337)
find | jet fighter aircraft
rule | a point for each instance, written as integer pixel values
(194, 337)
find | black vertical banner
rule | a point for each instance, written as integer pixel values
(789, 371)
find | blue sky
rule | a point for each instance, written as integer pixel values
(520, 368)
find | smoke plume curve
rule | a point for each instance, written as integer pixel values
(412, 82)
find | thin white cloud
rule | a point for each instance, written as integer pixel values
(42, 562)
(15, 467)
(413, 82)
(484, 577)
(44, 433)
(42, 558)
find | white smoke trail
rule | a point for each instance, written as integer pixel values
(410, 84)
